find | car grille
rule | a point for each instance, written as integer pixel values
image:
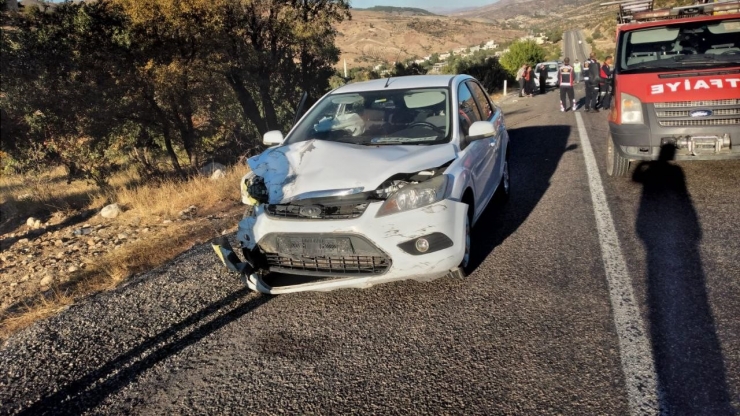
(327, 212)
(344, 265)
(678, 114)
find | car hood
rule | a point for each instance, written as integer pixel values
(293, 170)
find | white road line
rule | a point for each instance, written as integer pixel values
(634, 347)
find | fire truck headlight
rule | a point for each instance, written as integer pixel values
(631, 109)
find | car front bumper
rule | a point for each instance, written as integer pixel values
(384, 235)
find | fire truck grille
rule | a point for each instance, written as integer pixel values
(707, 103)
(685, 123)
(698, 113)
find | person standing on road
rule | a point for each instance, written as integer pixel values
(591, 77)
(527, 77)
(577, 71)
(566, 79)
(543, 78)
(520, 78)
(607, 83)
(530, 80)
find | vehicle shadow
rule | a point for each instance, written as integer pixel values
(535, 153)
(688, 356)
(87, 392)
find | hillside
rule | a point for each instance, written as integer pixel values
(408, 11)
(373, 37)
(508, 9)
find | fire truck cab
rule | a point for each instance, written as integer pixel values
(676, 83)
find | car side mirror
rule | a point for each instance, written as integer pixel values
(273, 138)
(481, 130)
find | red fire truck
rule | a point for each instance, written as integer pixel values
(676, 84)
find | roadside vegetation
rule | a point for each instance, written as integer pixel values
(122, 101)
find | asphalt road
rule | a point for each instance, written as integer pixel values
(534, 330)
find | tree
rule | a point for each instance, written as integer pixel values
(63, 88)
(413, 68)
(522, 52)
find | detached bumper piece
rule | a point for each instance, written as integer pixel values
(228, 257)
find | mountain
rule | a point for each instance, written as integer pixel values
(406, 11)
(373, 37)
(507, 9)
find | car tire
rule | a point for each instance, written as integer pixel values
(616, 165)
(464, 267)
(504, 187)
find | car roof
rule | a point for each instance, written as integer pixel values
(397, 83)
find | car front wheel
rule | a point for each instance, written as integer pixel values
(616, 165)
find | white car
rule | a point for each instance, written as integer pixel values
(552, 73)
(379, 181)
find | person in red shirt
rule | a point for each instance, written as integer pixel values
(605, 86)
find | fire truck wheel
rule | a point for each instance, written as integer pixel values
(616, 165)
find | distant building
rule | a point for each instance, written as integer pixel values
(437, 68)
(444, 56)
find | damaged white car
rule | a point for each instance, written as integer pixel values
(378, 181)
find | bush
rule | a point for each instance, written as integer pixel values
(522, 52)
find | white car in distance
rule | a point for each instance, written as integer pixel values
(379, 181)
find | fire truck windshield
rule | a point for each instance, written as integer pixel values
(680, 45)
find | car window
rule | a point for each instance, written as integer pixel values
(482, 98)
(468, 112)
(408, 116)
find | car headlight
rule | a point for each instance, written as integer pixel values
(243, 188)
(631, 110)
(415, 196)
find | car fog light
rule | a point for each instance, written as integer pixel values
(422, 245)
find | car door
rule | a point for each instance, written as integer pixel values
(478, 154)
(494, 161)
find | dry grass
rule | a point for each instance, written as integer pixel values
(219, 209)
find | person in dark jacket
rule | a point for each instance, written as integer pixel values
(606, 83)
(543, 78)
(592, 83)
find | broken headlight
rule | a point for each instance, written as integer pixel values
(253, 189)
(416, 196)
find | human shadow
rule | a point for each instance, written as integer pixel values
(688, 357)
(534, 155)
(88, 391)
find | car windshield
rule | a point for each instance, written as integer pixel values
(685, 45)
(409, 117)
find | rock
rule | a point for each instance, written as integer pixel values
(72, 269)
(91, 242)
(83, 231)
(217, 174)
(25, 278)
(167, 222)
(110, 211)
(47, 280)
(211, 168)
(31, 222)
(122, 236)
(23, 241)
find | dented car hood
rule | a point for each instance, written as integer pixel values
(296, 169)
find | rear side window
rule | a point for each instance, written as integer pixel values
(468, 111)
(483, 101)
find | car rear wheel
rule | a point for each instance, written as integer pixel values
(504, 186)
(616, 165)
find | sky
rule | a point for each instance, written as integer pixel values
(424, 4)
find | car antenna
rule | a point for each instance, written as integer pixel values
(387, 82)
